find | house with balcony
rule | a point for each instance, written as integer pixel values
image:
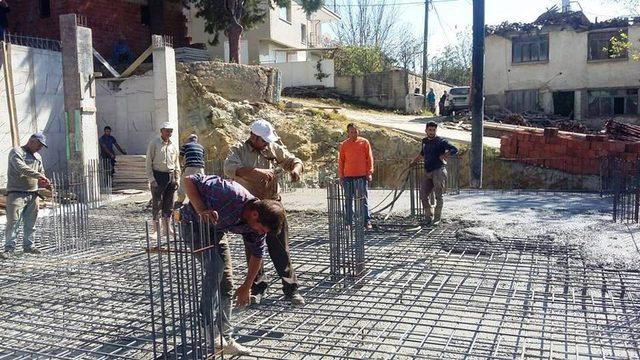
(564, 64)
(288, 39)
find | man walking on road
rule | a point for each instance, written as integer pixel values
(355, 169)
(193, 155)
(435, 151)
(431, 101)
(24, 176)
(163, 172)
(252, 164)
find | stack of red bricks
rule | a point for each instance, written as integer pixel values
(569, 152)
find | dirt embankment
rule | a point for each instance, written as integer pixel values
(312, 135)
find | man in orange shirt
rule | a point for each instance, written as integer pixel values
(355, 167)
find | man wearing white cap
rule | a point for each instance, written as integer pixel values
(24, 176)
(193, 154)
(252, 164)
(163, 172)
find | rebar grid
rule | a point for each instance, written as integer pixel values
(424, 294)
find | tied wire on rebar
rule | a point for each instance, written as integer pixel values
(347, 221)
(181, 260)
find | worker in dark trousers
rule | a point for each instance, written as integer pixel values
(252, 164)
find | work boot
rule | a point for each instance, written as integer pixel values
(232, 348)
(32, 250)
(296, 299)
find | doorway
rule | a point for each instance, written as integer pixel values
(618, 105)
(563, 103)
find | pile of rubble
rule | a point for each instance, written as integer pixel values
(539, 120)
(619, 131)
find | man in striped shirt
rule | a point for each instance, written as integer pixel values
(192, 154)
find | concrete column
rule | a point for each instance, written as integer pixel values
(165, 93)
(577, 105)
(79, 92)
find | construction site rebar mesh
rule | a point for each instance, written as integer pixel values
(425, 293)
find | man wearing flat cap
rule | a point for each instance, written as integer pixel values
(252, 164)
(163, 172)
(24, 176)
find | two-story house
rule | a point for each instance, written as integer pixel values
(287, 35)
(563, 64)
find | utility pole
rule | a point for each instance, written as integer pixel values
(477, 93)
(424, 52)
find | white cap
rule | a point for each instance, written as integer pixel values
(264, 129)
(166, 125)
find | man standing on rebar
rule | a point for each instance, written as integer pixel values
(435, 151)
(163, 172)
(431, 101)
(228, 207)
(193, 154)
(107, 153)
(355, 169)
(252, 164)
(24, 176)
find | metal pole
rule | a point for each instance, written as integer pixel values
(477, 93)
(425, 52)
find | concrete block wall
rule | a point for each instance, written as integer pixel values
(38, 89)
(568, 152)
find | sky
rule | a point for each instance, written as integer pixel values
(450, 16)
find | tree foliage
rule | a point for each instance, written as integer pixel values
(359, 60)
(407, 52)
(367, 23)
(232, 17)
(453, 64)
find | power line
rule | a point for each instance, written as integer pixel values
(395, 4)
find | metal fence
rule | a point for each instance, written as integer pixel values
(181, 263)
(620, 179)
(347, 222)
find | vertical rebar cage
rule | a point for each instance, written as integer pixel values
(347, 221)
(178, 261)
(73, 195)
(621, 179)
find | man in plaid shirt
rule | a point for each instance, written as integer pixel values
(226, 206)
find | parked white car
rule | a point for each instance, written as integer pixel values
(458, 98)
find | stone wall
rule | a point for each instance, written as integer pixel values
(236, 82)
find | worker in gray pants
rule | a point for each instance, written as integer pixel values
(25, 175)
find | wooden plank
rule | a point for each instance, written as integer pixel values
(137, 63)
(11, 100)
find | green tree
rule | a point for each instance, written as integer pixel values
(453, 64)
(232, 17)
(359, 60)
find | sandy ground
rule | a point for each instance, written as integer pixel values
(577, 219)
(409, 123)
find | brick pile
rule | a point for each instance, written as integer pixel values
(569, 152)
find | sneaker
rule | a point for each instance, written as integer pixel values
(232, 348)
(213, 339)
(368, 225)
(296, 299)
(32, 250)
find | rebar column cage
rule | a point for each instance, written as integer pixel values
(622, 179)
(347, 221)
(416, 173)
(177, 263)
(73, 194)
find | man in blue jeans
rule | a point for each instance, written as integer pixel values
(355, 169)
(227, 207)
